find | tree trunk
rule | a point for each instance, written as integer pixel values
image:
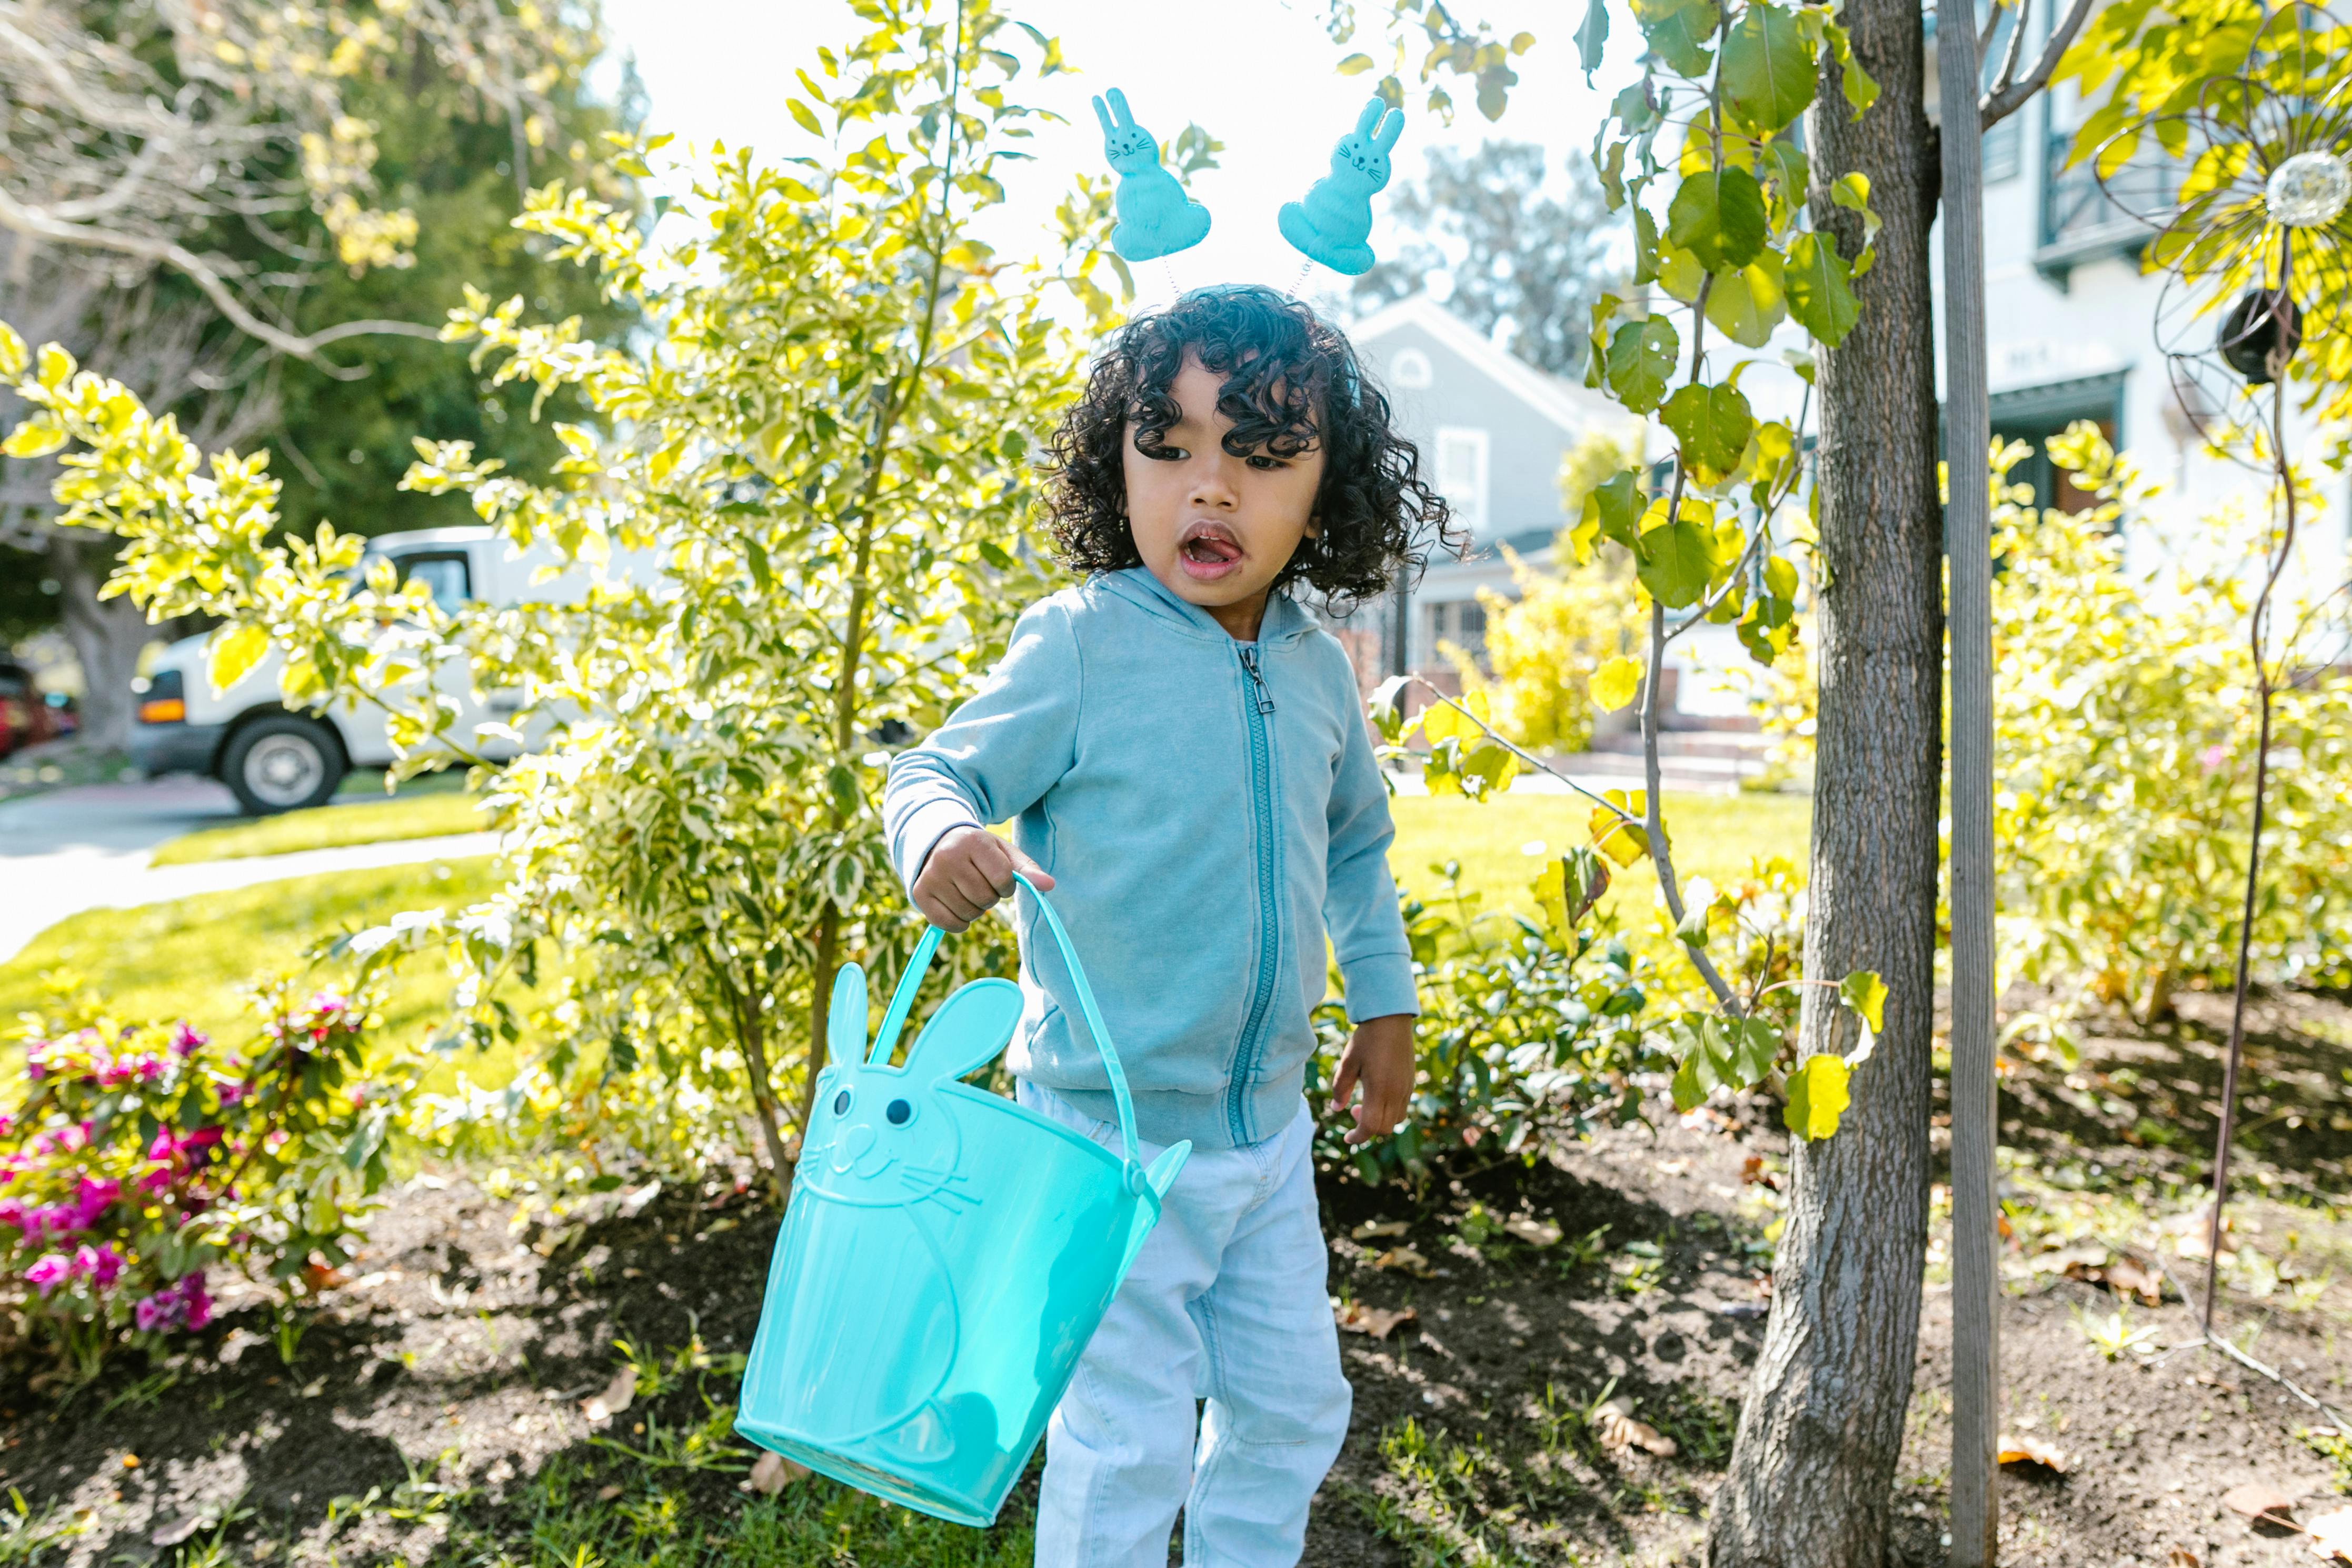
(1823, 1420)
(106, 634)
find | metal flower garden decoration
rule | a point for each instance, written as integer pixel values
(2258, 230)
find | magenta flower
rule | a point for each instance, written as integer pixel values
(187, 1040)
(91, 1200)
(182, 1303)
(47, 1271)
(101, 1265)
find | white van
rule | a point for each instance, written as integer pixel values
(277, 758)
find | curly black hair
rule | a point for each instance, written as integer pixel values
(1291, 381)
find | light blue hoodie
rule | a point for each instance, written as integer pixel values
(1208, 809)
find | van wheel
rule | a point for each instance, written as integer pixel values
(283, 763)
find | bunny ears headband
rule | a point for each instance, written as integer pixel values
(1332, 226)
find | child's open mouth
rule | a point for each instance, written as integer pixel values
(1208, 551)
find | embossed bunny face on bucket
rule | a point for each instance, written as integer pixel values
(881, 1135)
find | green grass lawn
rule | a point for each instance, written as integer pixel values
(412, 814)
(1714, 836)
(192, 958)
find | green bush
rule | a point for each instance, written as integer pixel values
(2126, 734)
(1522, 1032)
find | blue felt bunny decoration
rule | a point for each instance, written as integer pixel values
(1332, 225)
(1155, 217)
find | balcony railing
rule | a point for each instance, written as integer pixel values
(2082, 222)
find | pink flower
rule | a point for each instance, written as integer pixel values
(187, 1040)
(183, 1302)
(101, 1265)
(232, 1092)
(12, 1212)
(2212, 757)
(47, 1271)
(91, 1200)
(328, 1002)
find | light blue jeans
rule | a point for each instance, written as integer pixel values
(1226, 1304)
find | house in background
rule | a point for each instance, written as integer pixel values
(1493, 433)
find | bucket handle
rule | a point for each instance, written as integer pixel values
(902, 1002)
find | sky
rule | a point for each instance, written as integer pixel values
(1257, 73)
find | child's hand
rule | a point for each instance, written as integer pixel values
(968, 870)
(1379, 1057)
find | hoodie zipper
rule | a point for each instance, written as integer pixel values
(1255, 709)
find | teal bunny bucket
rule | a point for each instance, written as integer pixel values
(946, 1256)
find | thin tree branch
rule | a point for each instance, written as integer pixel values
(36, 224)
(2009, 58)
(1996, 107)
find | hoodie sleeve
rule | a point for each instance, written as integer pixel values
(996, 755)
(1359, 900)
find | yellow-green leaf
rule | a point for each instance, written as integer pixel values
(1748, 304)
(1768, 72)
(1817, 1097)
(234, 652)
(1623, 842)
(1615, 682)
(36, 438)
(1443, 721)
(1355, 65)
(806, 115)
(12, 353)
(1642, 361)
(1865, 993)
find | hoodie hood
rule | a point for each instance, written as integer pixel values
(1285, 620)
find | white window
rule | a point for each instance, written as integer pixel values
(1462, 473)
(1410, 370)
(1462, 623)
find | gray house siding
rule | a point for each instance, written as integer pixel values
(1523, 448)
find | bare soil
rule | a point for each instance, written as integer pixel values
(447, 1376)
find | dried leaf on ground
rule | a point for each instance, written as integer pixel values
(1372, 1229)
(1618, 1430)
(2259, 1500)
(633, 1204)
(2331, 1535)
(2020, 1451)
(1534, 1232)
(772, 1473)
(2128, 1275)
(2182, 1558)
(608, 1493)
(618, 1396)
(1672, 1167)
(1378, 1321)
(1403, 1257)
(179, 1529)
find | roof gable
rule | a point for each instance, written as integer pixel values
(1571, 408)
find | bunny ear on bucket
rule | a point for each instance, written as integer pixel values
(969, 1028)
(844, 1019)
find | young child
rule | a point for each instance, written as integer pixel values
(1183, 754)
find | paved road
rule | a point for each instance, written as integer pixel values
(87, 848)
